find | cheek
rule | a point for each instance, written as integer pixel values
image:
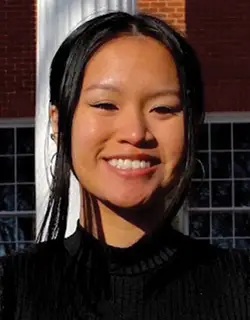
(171, 141)
(88, 135)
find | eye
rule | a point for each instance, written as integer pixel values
(166, 110)
(104, 106)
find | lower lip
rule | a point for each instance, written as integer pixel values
(133, 173)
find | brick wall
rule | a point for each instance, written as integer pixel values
(17, 58)
(220, 32)
(173, 11)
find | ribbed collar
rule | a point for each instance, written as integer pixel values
(149, 253)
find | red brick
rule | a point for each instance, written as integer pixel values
(220, 33)
(175, 4)
(172, 11)
(158, 5)
(17, 58)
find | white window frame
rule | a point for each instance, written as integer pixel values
(16, 123)
(217, 117)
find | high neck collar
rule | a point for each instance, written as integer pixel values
(148, 253)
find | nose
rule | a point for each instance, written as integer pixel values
(133, 129)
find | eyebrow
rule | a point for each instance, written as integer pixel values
(159, 93)
(164, 92)
(102, 86)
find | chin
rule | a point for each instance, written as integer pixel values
(127, 204)
(130, 200)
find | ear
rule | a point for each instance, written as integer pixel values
(53, 114)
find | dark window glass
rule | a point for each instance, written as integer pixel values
(6, 141)
(242, 224)
(25, 169)
(199, 224)
(25, 197)
(221, 165)
(7, 229)
(203, 138)
(221, 136)
(25, 140)
(242, 164)
(242, 193)
(222, 224)
(7, 248)
(7, 198)
(199, 194)
(26, 228)
(223, 243)
(7, 173)
(23, 245)
(242, 244)
(241, 135)
(201, 166)
(221, 194)
(2, 249)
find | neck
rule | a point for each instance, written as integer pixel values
(118, 228)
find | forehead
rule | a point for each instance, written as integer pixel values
(132, 60)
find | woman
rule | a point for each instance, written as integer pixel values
(126, 105)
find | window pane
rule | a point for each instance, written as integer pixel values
(229, 171)
(25, 197)
(222, 224)
(199, 224)
(7, 248)
(7, 229)
(203, 138)
(7, 169)
(223, 243)
(25, 140)
(242, 193)
(221, 194)
(25, 169)
(2, 250)
(241, 135)
(242, 244)
(6, 141)
(199, 195)
(7, 198)
(26, 228)
(221, 165)
(22, 246)
(221, 136)
(242, 164)
(242, 224)
(201, 165)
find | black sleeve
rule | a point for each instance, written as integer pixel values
(7, 290)
(1, 291)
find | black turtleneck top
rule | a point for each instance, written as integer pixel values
(164, 276)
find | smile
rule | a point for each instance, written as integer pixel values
(132, 166)
(128, 164)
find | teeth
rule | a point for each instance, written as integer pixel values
(129, 164)
(136, 164)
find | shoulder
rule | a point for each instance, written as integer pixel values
(24, 273)
(211, 279)
(216, 268)
(200, 259)
(208, 254)
(36, 258)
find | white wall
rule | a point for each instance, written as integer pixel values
(56, 19)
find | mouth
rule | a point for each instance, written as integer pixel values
(138, 162)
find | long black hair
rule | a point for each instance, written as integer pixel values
(66, 77)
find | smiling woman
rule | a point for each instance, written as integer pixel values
(126, 104)
(126, 123)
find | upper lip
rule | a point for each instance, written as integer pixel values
(140, 156)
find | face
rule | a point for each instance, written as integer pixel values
(128, 127)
